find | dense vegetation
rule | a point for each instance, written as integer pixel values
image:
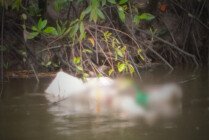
(94, 37)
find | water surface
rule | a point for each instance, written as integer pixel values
(25, 113)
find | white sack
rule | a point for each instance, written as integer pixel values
(63, 86)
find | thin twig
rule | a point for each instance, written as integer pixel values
(191, 15)
(195, 42)
(37, 79)
(172, 45)
(129, 37)
(2, 53)
(100, 47)
(134, 64)
(156, 53)
(47, 49)
(96, 44)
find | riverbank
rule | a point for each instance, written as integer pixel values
(123, 39)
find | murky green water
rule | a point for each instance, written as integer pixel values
(25, 114)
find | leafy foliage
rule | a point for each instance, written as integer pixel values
(42, 28)
(106, 47)
(14, 4)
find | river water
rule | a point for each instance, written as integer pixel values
(25, 113)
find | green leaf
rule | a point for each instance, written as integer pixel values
(59, 29)
(34, 28)
(104, 2)
(74, 30)
(51, 30)
(42, 24)
(55, 65)
(85, 75)
(141, 56)
(121, 13)
(136, 19)
(87, 51)
(79, 68)
(32, 35)
(82, 31)
(119, 52)
(48, 63)
(139, 50)
(111, 1)
(131, 68)
(76, 60)
(143, 16)
(95, 3)
(146, 16)
(122, 2)
(107, 35)
(94, 15)
(100, 14)
(79, 1)
(60, 4)
(16, 4)
(74, 22)
(110, 72)
(85, 12)
(121, 67)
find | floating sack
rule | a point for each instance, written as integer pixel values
(105, 95)
(63, 86)
(166, 100)
(101, 92)
(99, 82)
(128, 108)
